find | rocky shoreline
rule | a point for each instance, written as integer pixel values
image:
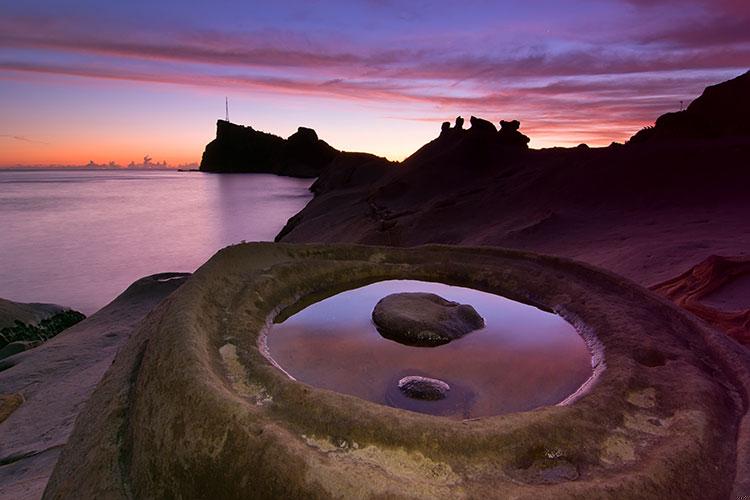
(668, 211)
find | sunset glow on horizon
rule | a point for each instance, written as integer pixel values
(84, 81)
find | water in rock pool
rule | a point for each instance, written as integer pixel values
(523, 358)
(79, 238)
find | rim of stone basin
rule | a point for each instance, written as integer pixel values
(192, 408)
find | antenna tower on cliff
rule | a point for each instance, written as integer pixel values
(226, 103)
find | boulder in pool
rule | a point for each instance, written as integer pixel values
(424, 319)
(424, 388)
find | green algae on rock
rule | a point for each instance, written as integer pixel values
(193, 408)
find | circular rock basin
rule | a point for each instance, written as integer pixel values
(193, 407)
(523, 358)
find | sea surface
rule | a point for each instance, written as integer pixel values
(79, 238)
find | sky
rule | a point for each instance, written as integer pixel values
(86, 80)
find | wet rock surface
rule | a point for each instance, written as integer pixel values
(424, 388)
(424, 319)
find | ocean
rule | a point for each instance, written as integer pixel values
(78, 238)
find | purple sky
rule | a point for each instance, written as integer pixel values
(90, 80)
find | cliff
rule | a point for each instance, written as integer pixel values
(240, 149)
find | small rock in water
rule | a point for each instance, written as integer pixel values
(424, 388)
(424, 319)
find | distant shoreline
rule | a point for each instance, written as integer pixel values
(98, 169)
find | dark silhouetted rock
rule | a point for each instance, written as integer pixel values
(424, 388)
(721, 111)
(510, 126)
(445, 127)
(480, 125)
(459, 123)
(510, 136)
(424, 319)
(243, 149)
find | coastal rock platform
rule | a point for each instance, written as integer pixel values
(44, 388)
(193, 406)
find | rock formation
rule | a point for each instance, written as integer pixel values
(722, 111)
(691, 289)
(481, 126)
(242, 149)
(24, 326)
(424, 319)
(11, 312)
(43, 389)
(510, 135)
(424, 388)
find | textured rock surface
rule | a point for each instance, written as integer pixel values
(691, 289)
(192, 408)
(424, 388)
(45, 388)
(242, 149)
(424, 319)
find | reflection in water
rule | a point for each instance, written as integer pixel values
(524, 358)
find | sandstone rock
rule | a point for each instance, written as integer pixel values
(425, 388)
(255, 432)
(424, 319)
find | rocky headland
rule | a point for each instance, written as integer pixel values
(242, 149)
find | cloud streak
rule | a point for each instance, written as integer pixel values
(22, 139)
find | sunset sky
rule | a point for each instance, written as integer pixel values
(114, 81)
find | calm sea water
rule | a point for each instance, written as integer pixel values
(79, 238)
(524, 358)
